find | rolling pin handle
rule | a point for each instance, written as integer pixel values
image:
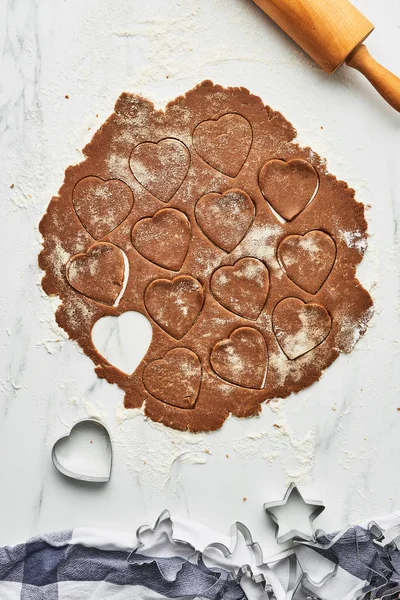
(385, 82)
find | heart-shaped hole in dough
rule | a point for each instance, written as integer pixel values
(124, 340)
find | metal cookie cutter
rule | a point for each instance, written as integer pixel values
(72, 453)
(158, 545)
(316, 506)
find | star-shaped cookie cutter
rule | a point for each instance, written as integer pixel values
(317, 508)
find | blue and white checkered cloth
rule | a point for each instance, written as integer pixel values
(86, 564)
(360, 563)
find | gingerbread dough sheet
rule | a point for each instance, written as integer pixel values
(236, 244)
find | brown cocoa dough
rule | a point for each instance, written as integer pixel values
(242, 253)
(174, 379)
(308, 259)
(211, 139)
(242, 288)
(98, 273)
(225, 218)
(101, 205)
(288, 185)
(164, 238)
(160, 167)
(242, 358)
(175, 304)
(300, 327)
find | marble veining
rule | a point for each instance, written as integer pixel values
(63, 65)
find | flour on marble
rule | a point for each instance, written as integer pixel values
(279, 443)
(156, 453)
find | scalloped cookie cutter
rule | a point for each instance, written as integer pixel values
(68, 452)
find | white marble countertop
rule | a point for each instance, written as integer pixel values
(339, 438)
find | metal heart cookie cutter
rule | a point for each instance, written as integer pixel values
(85, 453)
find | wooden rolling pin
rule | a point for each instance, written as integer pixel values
(332, 32)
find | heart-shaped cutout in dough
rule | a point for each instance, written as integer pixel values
(164, 238)
(224, 143)
(288, 186)
(308, 259)
(98, 273)
(174, 379)
(101, 205)
(175, 304)
(160, 167)
(225, 218)
(242, 359)
(124, 340)
(242, 288)
(85, 453)
(300, 327)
